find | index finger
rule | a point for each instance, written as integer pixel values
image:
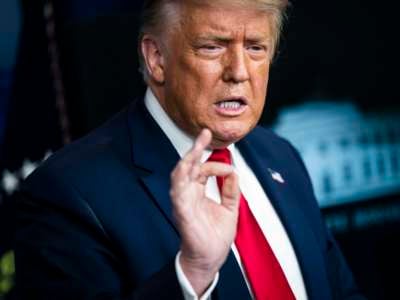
(199, 145)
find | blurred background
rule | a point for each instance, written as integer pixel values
(67, 66)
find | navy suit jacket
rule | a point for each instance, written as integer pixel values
(95, 222)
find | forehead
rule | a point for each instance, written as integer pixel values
(199, 20)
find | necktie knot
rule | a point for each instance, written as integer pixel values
(221, 155)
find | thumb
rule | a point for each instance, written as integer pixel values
(230, 194)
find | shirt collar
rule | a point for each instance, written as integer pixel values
(181, 141)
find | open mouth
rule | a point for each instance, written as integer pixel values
(231, 106)
(233, 103)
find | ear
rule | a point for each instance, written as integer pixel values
(154, 58)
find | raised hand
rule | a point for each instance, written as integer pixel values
(207, 228)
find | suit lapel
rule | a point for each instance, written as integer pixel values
(152, 154)
(302, 237)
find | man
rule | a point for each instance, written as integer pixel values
(181, 195)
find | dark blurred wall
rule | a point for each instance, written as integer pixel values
(337, 49)
(98, 55)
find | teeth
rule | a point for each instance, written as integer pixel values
(229, 104)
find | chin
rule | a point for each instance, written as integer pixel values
(227, 136)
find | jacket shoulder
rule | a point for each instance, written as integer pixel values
(86, 158)
(267, 142)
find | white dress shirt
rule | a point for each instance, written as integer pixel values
(258, 201)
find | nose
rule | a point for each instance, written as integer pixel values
(236, 67)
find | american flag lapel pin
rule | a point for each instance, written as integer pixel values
(276, 176)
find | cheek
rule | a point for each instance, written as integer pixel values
(260, 84)
(199, 94)
(261, 72)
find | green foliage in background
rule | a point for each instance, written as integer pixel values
(7, 271)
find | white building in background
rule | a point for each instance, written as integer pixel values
(350, 156)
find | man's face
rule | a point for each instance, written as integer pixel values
(216, 70)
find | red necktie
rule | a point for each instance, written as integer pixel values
(263, 271)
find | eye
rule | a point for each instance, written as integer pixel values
(210, 47)
(258, 50)
(210, 50)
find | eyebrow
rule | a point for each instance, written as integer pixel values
(224, 38)
(214, 37)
